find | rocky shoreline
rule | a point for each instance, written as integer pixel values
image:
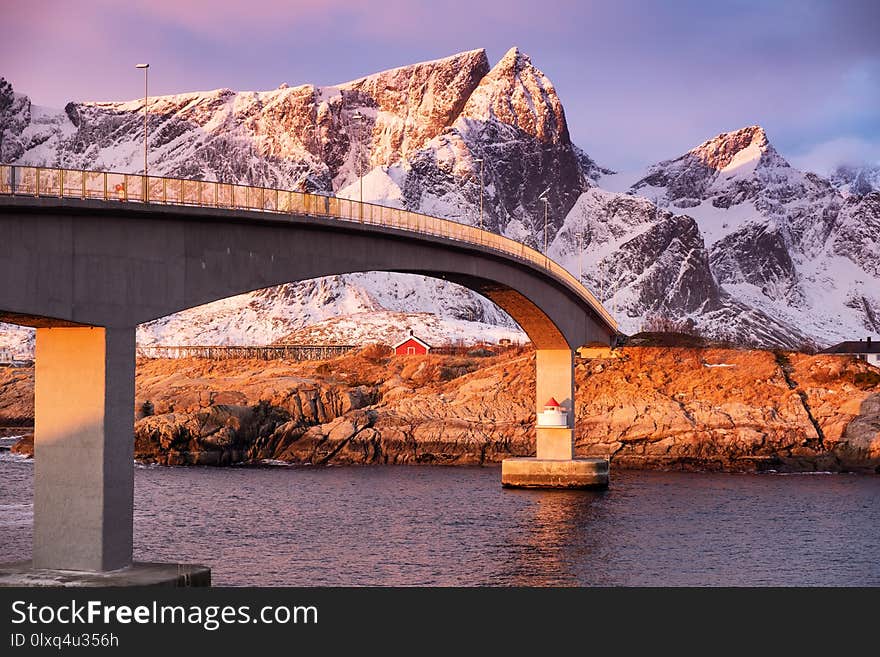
(650, 407)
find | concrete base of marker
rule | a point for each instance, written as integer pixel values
(23, 573)
(551, 473)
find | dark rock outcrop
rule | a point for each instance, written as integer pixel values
(24, 446)
(757, 254)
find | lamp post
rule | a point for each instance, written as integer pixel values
(546, 200)
(580, 247)
(359, 118)
(480, 160)
(146, 68)
(604, 285)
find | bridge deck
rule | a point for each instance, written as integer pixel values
(133, 188)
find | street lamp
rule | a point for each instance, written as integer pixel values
(146, 68)
(604, 281)
(546, 200)
(580, 247)
(359, 118)
(480, 160)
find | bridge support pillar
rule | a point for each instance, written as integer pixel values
(83, 448)
(554, 378)
(555, 465)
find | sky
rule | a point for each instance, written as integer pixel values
(640, 81)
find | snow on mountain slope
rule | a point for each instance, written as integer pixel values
(292, 137)
(259, 317)
(387, 327)
(267, 315)
(408, 106)
(19, 340)
(382, 185)
(857, 232)
(642, 262)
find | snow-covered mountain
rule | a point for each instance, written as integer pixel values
(267, 315)
(388, 327)
(728, 238)
(18, 341)
(789, 244)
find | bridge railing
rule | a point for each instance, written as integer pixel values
(133, 188)
(297, 352)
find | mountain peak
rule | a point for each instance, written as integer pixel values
(518, 94)
(728, 169)
(515, 58)
(729, 148)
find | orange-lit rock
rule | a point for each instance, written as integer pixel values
(683, 408)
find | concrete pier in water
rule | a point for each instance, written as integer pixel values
(554, 465)
(552, 473)
(23, 573)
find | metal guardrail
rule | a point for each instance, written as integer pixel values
(134, 188)
(298, 352)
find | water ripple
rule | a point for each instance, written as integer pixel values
(438, 526)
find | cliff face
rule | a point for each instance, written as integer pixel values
(514, 122)
(356, 409)
(731, 410)
(293, 137)
(16, 396)
(407, 107)
(702, 409)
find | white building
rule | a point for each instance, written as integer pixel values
(553, 415)
(866, 350)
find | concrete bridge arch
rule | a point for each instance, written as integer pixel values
(86, 273)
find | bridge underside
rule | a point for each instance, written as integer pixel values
(542, 331)
(35, 321)
(86, 276)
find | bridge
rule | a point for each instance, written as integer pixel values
(87, 256)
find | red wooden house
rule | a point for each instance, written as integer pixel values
(411, 345)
